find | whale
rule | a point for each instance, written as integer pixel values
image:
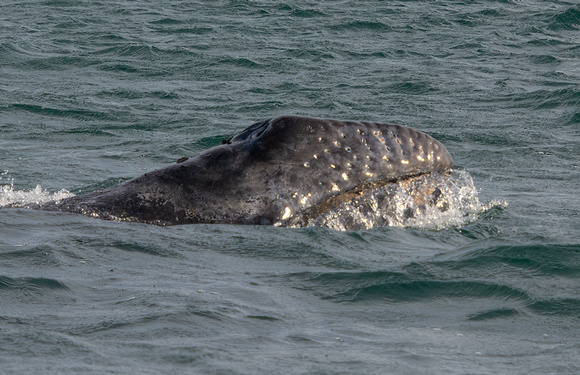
(283, 171)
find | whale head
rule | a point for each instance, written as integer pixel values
(269, 173)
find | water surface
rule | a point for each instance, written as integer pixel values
(94, 93)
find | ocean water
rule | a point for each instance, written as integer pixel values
(96, 92)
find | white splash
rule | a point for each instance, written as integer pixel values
(462, 205)
(408, 204)
(9, 196)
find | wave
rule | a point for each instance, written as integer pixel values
(567, 20)
(80, 114)
(499, 279)
(504, 299)
(553, 260)
(30, 283)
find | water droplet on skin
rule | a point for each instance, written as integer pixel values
(287, 213)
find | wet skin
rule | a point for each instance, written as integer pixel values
(268, 174)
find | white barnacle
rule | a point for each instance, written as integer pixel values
(336, 143)
(385, 158)
(345, 176)
(369, 174)
(315, 156)
(420, 158)
(335, 187)
(404, 161)
(307, 164)
(295, 194)
(347, 149)
(303, 200)
(287, 213)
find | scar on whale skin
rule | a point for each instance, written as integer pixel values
(282, 171)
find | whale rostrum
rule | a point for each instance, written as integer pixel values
(282, 171)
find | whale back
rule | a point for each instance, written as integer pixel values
(268, 173)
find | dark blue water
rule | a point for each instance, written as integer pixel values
(93, 93)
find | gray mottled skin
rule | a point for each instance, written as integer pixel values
(268, 173)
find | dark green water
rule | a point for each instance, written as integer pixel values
(92, 93)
